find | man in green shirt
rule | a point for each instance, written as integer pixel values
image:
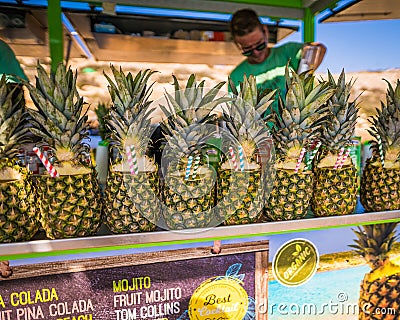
(265, 63)
(9, 64)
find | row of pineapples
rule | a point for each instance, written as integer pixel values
(313, 126)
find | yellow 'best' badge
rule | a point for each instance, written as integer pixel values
(224, 298)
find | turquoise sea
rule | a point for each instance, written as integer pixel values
(327, 295)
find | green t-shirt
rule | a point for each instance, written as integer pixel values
(9, 64)
(270, 74)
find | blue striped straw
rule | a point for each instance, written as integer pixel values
(241, 158)
(195, 166)
(189, 165)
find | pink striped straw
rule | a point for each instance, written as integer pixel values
(344, 158)
(49, 167)
(302, 153)
(130, 159)
(339, 158)
(232, 153)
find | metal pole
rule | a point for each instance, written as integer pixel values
(308, 26)
(55, 28)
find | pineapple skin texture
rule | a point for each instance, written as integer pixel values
(70, 205)
(335, 191)
(131, 202)
(188, 204)
(379, 297)
(290, 196)
(240, 196)
(380, 188)
(18, 212)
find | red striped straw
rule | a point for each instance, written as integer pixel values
(339, 158)
(49, 167)
(232, 153)
(302, 153)
(130, 159)
(344, 158)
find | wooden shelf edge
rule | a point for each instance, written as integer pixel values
(116, 242)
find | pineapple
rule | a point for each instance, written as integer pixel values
(188, 198)
(380, 288)
(294, 129)
(18, 219)
(380, 183)
(335, 187)
(241, 194)
(70, 204)
(131, 200)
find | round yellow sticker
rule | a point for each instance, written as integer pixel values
(295, 262)
(223, 299)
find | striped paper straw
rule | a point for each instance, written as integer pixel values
(312, 155)
(232, 153)
(241, 158)
(188, 167)
(195, 166)
(49, 167)
(130, 160)
(302, 152)
(380, 149)
(339, 158)
(134, 158)
(344, 158)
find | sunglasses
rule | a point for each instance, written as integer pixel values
(260, 47)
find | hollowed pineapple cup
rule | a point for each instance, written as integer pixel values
(380, 188)
(240, 196)
(188, 203)
(290, 196)
(131, 201)
(18, 218)
(70, 205)
(335, 191)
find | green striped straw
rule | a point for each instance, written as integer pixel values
(134, 160)
(380, 149)
(312, 156)
(195, 166)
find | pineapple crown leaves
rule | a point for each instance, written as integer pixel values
(137, 133)
(386, 124)
(129, 92)
(13, 130)
(343, 114)
(191, 105)
(250, 96)
(129, 118)
(190, 108)
(302, 112)
(243, 114)
(374, 242)
(102, 111)
(187, 141)
(61, 116)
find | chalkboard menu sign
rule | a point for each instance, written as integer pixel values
(175, 284)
